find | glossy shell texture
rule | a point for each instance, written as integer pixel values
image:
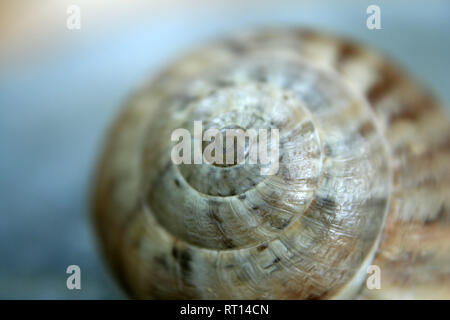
(363, 177)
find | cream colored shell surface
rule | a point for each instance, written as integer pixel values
(364, 158)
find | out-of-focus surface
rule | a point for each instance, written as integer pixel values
(60, 88)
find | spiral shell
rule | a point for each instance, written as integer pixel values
(363, 177)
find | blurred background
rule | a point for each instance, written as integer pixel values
(60, 89)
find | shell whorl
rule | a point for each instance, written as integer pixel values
(204, 231)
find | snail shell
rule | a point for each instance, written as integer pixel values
(363, 177)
